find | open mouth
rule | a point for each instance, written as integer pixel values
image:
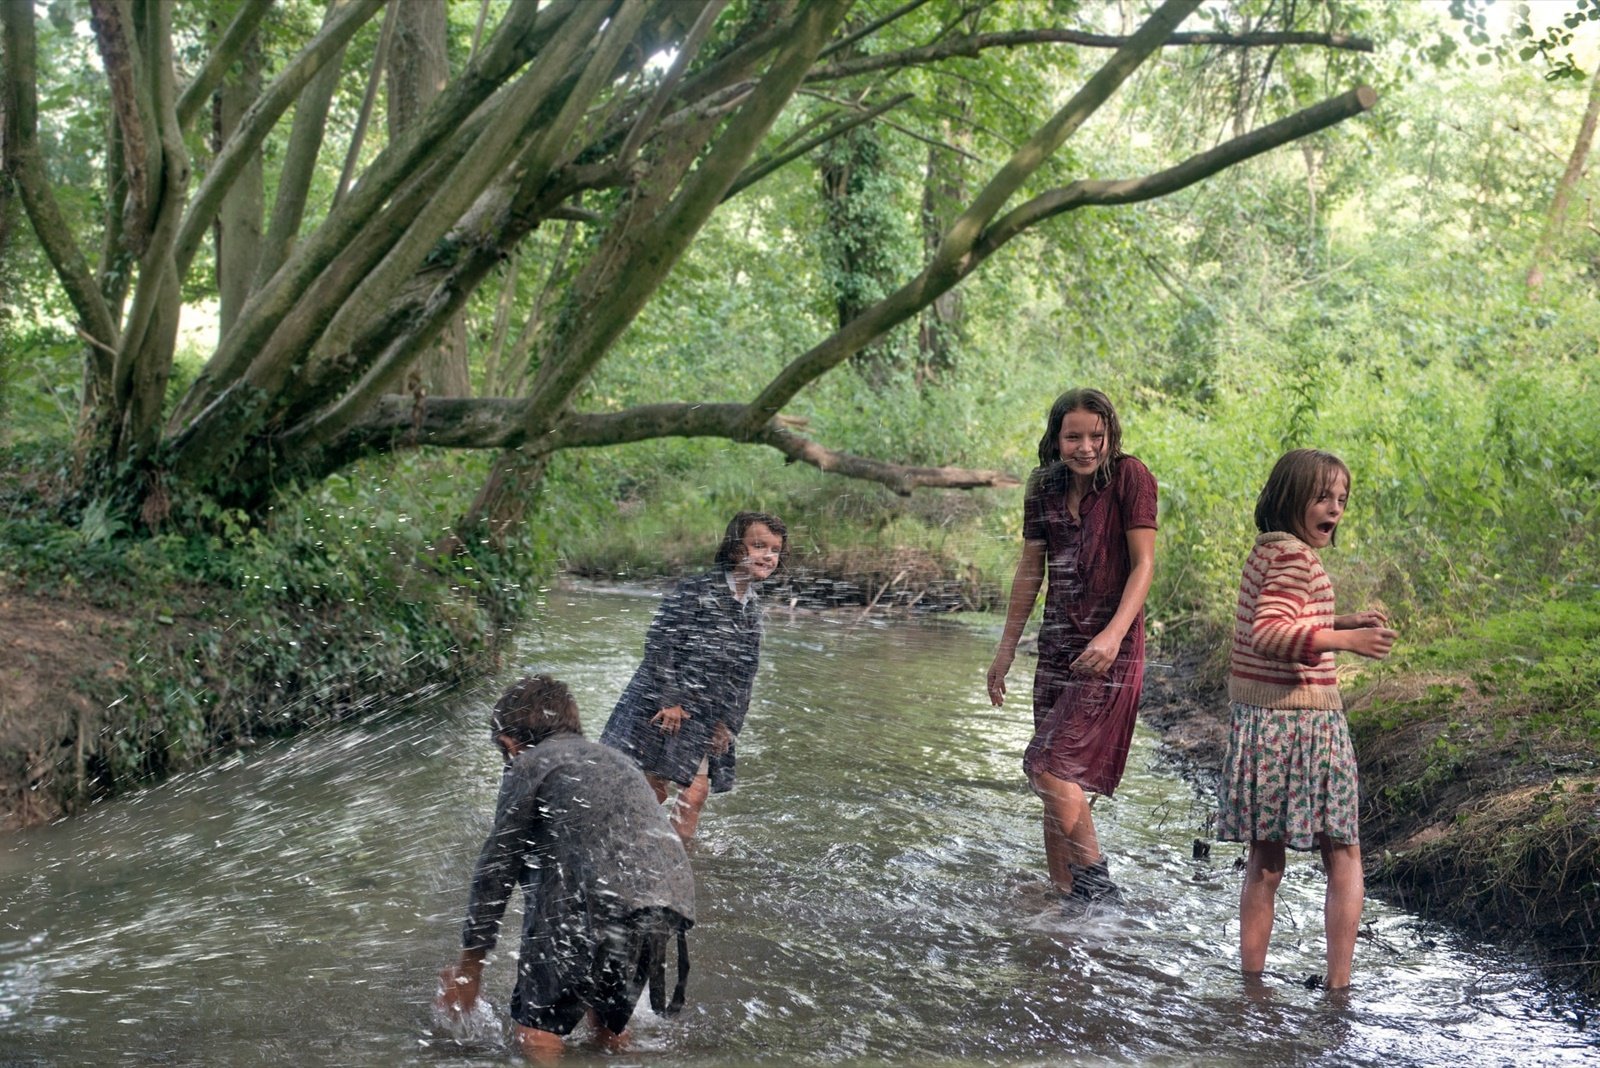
(1326, 528)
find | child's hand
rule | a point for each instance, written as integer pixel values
(458, 988)
(721, 738)
(670, 719)
(997, 676)
(1374, 642)
(1098, 656)
(1372, 617)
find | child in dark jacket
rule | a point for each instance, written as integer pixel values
(605, 881)
(685, 705)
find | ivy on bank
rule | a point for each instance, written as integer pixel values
(232, 633)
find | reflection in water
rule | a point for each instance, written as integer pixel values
(873, 891)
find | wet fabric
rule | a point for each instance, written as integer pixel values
(555, 990)
(701, 652)
(1289, 775)
(1083, 724)
(600, 868)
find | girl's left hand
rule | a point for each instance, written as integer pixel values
(1359, 620)
(721, 738)
(670, 719)
(1098, 656)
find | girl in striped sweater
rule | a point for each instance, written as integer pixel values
(1289, 779)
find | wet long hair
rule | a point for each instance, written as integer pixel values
(1296, 480)
(533, 710)
(1078, 400)
(731, 551)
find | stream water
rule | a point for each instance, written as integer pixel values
(871, 893)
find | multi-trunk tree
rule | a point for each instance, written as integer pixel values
(628, 123)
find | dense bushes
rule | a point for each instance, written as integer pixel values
(212, 632)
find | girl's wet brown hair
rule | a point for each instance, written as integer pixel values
(1296, 479)
(1081, 400)
(731, 551)
(534, 709)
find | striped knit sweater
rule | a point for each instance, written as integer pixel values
(1284, 598)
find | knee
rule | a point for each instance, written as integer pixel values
(1266, 866)
(1052, 790)
(1268, 879)
(659, 785)
(1342, 861)
(696, 792)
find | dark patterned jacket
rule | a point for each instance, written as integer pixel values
(701, 652)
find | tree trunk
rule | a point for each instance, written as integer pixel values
(859, 239)
(418, 70)
(939, 334)
(504, 501)
(1557, 218)
(238, 226)
(299, 165)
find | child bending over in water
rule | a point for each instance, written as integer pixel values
(1289, 778)
(605, 881)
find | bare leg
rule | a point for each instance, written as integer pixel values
(686, 812)
(1341, 908)
(607, 1039)
(659, 785)
(1257, 903)
(1069, 836)
(545, 1047)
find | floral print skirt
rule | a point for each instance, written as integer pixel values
(1290, 774)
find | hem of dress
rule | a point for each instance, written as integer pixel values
(1313, 847)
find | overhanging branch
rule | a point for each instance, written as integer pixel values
(761, 168)
(974, 45)
(476, 423)
(1194, 169)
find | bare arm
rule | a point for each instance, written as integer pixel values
(460, 982)
(1370, 641)
(1101, 652)
(1024, 592)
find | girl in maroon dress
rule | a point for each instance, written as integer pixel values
(1089, 527)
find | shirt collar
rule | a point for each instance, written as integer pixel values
(749, 597)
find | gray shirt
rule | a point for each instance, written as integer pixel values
(581, 830)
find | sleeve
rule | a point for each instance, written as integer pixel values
(1136, 494)
(1276, 630)
(666, 644)
(1035, 527)
(501, 859)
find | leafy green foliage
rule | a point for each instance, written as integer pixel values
(245, 630)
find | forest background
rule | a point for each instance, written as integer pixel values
(1411, 285)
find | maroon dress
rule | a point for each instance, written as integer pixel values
(1083, 724)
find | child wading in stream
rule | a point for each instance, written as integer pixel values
(1089, 526)
(685, 705)
(605, 881)
(1289, 777)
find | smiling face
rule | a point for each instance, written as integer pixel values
(1082, 442)
(759, 552)
(1323, 512)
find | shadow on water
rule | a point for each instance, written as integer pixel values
(871, 893)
